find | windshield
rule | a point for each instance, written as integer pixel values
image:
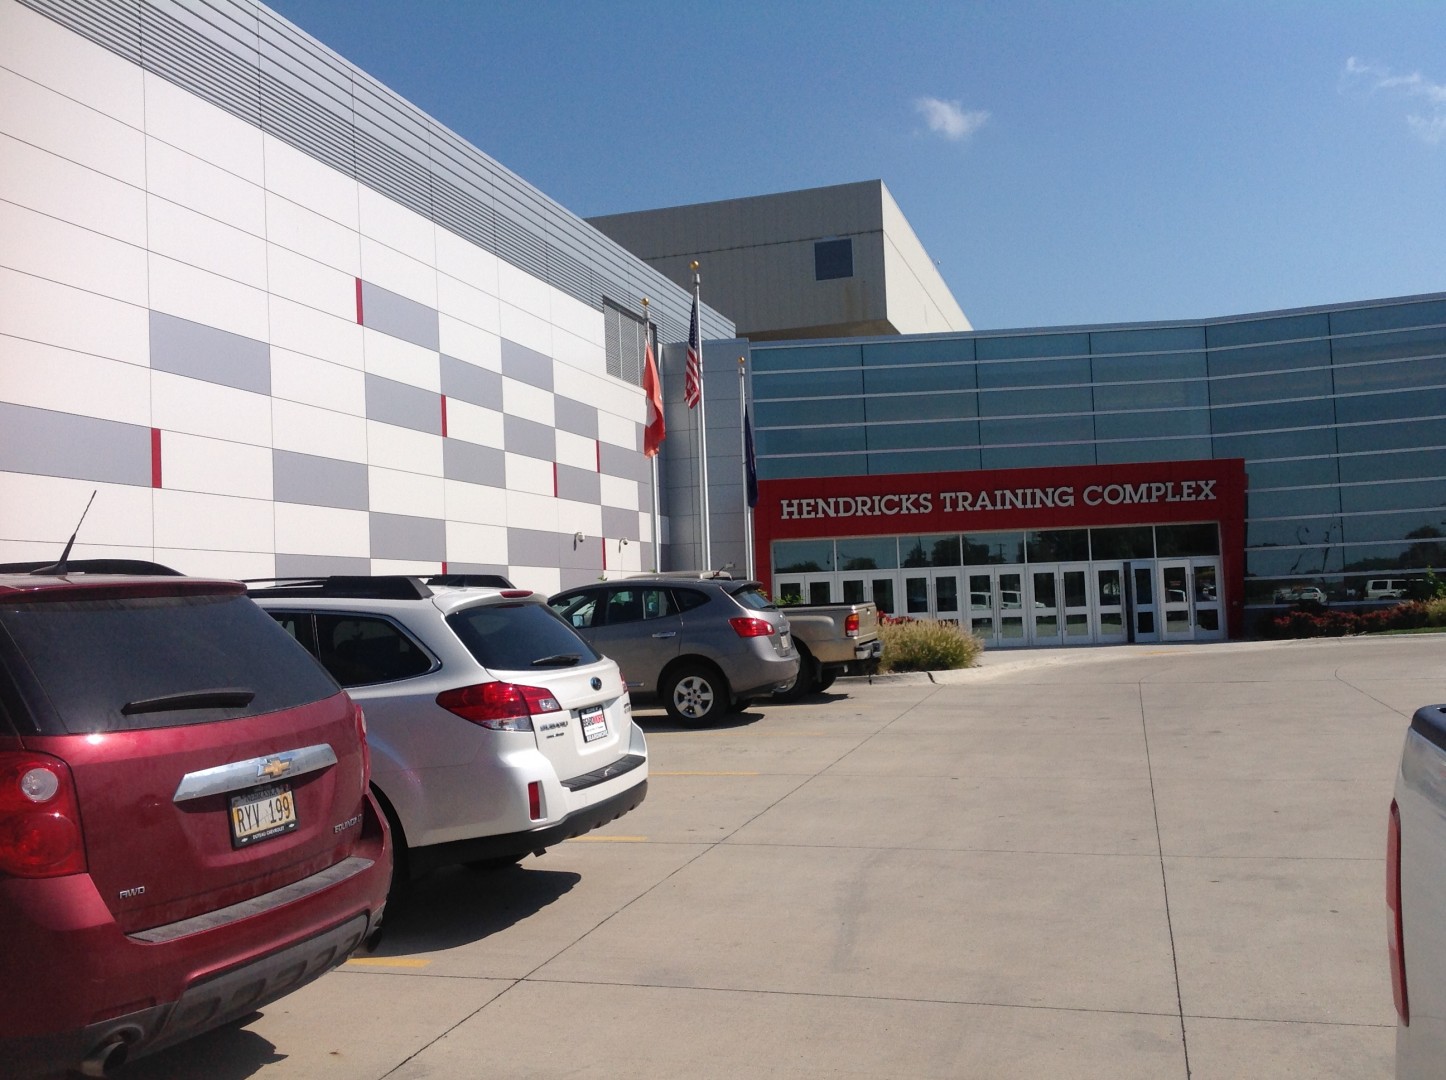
(519, 637)
(91, 666)
(751, 596)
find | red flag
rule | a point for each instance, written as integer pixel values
(693, 376)
(656, 431)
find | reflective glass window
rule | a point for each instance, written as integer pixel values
(788, 413)
(1411, 525)
(1075, 399)
(1269, 415)
(935, 350)
(1398, 435)
(793, 468)
(1176, 541)
(1031, 457)
(1424, 554)
(1037, 430)
(939, 406)
(1401, 465)
(1305, 471)
(920, 379)
(1284, 562)
(802, 556)
(1280, 444)
(1148, 339)
(1057, 545)
(883, 589)
(1240, 389)
(1000, 548)
(1302, 502)
(808, 440)
(1152, 395)
(833, 259)
(769, 358)
(1128, 542)
(868, 553)
(938, 550)
(1134, 425)
(1114, 453)
(848, 382)
(1403, 344)
(1030, 345)
(907, 461)
(1293, 532)
(1410, 495)
(1035, 373)
(1388, 317)
(938, 433)
(1263, 359)
(1250, 331)
(1395, 375)
(1359, 408)
(1149, 367)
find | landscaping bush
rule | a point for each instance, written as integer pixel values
(925, 645)
(1317, 621)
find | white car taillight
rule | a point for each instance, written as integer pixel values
(499, 706)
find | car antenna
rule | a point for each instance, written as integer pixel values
(59, 569)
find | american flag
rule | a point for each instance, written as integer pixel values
(693, 375)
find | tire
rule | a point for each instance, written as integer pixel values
(401, 864)
(806, 681)
(696, 694)
(824, 681)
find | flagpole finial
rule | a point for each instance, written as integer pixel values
(646, 302)
(693, 266)
(741, 363)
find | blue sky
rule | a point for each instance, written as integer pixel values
(1063, 163)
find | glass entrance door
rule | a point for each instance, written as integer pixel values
(996, 607)
(1110, 626)
(1178, 613)
(1190, 596)
(1062, 612)
(1140, 600)
(1046, 622)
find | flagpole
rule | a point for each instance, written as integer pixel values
(743, 447)
(655, 531)
(706, 523)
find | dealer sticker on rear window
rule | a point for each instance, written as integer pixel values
(594, 723)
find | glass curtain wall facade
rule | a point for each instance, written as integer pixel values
(1337, 413)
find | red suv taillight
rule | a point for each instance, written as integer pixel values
(1393, 902)
(39, 818)
(748, 626)
(851, 625)
(498, 705)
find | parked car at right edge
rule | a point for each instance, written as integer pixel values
(186, 832)
(705, 646)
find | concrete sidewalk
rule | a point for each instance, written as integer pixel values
(1150, 862)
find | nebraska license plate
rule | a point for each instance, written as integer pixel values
(261, 813)
(593, 722)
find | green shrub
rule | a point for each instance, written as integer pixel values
(925, 645)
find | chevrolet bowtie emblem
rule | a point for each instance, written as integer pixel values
(273, 767)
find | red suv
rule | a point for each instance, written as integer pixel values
(186, 832)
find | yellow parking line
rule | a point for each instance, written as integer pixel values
(701, 773)
(609, 840)
(387, 961)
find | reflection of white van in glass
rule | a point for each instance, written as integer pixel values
(1385, 588)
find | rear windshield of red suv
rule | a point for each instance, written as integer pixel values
(90, 666)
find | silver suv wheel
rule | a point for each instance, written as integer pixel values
(696, 696)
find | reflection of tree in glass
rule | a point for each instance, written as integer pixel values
(806, 567)
(916, 556)
(946, 551)
(860, 564)
(1424, 554)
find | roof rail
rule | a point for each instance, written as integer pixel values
(94, 566)
(470, 581)
(351, 586)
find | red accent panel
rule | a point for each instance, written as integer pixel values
(554, 479)
(155, 457)
(603, 543)
(597, 446)
(1083, 495)
(359, 302)
(444, 566)
(444, 416)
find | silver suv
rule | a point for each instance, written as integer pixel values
(495, 730)
(704, 646)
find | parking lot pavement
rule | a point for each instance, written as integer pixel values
(1148, 862)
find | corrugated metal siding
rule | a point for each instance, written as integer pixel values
(244, 58)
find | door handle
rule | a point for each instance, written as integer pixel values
(666, 633)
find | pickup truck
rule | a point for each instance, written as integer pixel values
(1416, 897)
(832, 640)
